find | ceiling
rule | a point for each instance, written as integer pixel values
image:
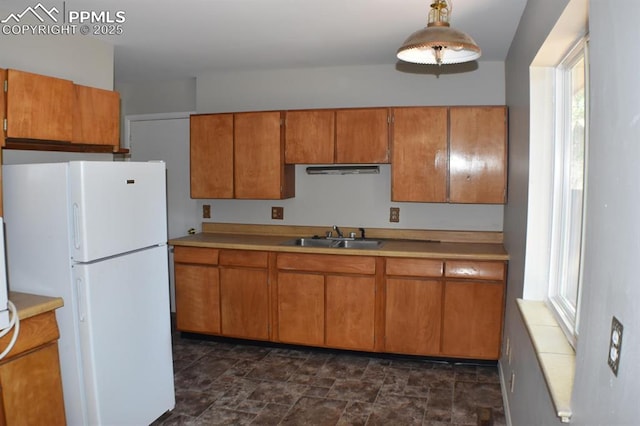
(175, 40)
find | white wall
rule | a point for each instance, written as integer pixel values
(612, 211)
(351, 200)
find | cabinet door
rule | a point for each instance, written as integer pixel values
(301, 308)
(310, 137)
(419, 155)
(350, 317)
(362, 135)
(3, 115)
(244, 303)
(39, 107)
(413, 316)
(211, 160)
(197, 298)
(478, 155)
(96, 116)
(472, 318)
(259, 155)
(31, 387)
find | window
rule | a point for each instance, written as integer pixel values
(570, 149)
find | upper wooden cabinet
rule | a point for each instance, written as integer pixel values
(478, 154)
(419, 154)
(39, 107)
(461, 158)
(343, 136)
(96, 116)
(211, 156)
(362, 135)
(259, 169)
(310, 136)
(239, 156)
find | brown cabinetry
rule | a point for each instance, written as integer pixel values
(197, 290)
(244, 294)
(310, 136)
(478, 154)
(211, 155)
(413, 310)
(473, 309)
(30, 379)
(457, 158)
(39, 107)
(362, 135)
(239, 156)
(96, 116)
(327, 300)
(420, 158)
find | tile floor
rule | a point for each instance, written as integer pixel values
(235, 383)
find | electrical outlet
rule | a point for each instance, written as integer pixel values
(394, 214)
(206, 211)
(277, 213)
(615, 345)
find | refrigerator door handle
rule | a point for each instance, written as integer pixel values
(76, 226)
(82, 302)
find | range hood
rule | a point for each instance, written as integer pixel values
(343, 170)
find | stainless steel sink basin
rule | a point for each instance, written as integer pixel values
(310, 242)
(334, 243)
(360, 244)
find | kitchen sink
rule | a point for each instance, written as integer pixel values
(334, 243)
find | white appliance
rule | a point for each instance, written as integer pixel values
(4, 312)
(95, 233)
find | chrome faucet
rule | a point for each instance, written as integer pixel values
(338, 231)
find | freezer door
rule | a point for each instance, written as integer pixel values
(116, 207)
(125, 337)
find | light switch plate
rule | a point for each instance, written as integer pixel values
(277, 213)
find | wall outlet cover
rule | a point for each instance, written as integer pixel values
(615, 345)
(277, 213)
(394, 214)
(206, 211)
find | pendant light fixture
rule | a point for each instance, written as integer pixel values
(438, 43)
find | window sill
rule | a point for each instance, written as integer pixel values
(555, 355)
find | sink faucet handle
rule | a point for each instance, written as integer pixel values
(335, 228)
(361, 232)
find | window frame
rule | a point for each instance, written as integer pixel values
(567, 315)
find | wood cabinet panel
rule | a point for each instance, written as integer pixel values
(211, 156)
(419, 154)
(32, 388)
(259, 171)
(413, 315)
(478, 154)
(3, 111)
(350, 317)
(475, 270)
(254, 259)
(414, 267)
(310, 136)
(197, 298)
(327, 263)
(39, 107)
(96, 116)
(244, 303)
(473, 315)
(202, 255)
(301, 308)
(362, 135)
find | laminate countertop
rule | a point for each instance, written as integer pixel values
(390, 247)
(30, 305)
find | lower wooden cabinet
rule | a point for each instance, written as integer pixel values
(428, 307)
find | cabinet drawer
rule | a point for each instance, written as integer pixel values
(200, 255)
(327, 263)
(252, 259)
(475, 270)
(415, 267)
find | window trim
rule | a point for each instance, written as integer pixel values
(568, 317)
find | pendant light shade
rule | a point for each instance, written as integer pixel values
(438, 43)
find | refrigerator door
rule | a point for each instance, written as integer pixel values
(116, 207)
(125, 337)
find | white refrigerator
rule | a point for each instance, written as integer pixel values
(95, 234)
